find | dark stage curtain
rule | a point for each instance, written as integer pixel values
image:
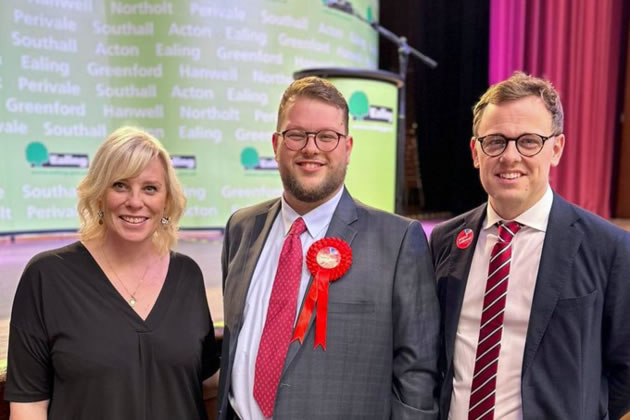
(454, 33)
(622, 174)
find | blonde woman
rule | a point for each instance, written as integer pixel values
(115, 326)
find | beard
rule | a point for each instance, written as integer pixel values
(320, 192)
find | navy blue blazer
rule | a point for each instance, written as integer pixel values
(576, 362)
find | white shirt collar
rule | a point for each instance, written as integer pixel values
(536, 217)
(315, 220)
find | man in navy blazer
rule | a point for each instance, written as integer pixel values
(560, 333)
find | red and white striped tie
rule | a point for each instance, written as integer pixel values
(482, 390)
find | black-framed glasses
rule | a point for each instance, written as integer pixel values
(528, 144)
(325, 140)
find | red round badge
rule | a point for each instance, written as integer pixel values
(464, 239)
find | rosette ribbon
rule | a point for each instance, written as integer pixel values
(327, 259)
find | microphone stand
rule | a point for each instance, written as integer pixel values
(404, 51)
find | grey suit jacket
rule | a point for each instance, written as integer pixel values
(383, 320)
(576, 363)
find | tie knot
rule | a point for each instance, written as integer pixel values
(298, 227)
(508, 230)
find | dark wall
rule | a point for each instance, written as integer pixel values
(455, 34)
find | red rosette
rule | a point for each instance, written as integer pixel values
(327, 259)
(330, 255)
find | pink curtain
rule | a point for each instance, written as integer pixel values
(576, 45)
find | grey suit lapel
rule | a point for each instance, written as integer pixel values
(345, 214)
(254, 243)
(562, 241)
(460, 261)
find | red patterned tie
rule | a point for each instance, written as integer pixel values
(482, 390)
(276, 334)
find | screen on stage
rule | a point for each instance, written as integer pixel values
(204, 76)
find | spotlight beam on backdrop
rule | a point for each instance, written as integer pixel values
(404, 51)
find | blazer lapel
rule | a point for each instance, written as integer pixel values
(345, 214)
(562, 241)
(457, 278)
(254, 243)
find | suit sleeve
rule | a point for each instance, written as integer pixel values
(224, 253)
(416, 330)
(617, 331)
(225, 362)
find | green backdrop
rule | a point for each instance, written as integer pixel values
(204, 76)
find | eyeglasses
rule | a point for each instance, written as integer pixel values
(325, 140)
(528, 144)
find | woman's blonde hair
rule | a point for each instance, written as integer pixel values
(125, 154)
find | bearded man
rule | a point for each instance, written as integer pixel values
(297, 345)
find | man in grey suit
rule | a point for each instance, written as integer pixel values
(534, 290)
(381, 338)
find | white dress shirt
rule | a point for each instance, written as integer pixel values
(255, 311)
(526, 252)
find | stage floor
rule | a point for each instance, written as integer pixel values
(203, 246)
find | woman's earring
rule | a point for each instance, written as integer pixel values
(100, 215)
(165, 221)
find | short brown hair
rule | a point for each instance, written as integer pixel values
(125, 154)
(518, 86)
(314, 88)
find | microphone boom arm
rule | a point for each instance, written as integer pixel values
(401, 41)
(404, 50)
